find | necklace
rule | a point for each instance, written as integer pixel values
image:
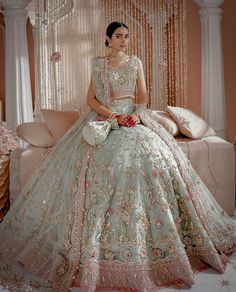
(117, 58)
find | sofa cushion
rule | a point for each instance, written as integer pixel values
(190, 124)
(58, 122)
(36, 134)
(166, 121)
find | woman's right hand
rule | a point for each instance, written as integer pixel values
(125, 120)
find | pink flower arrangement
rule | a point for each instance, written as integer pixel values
(56, 57)
(7, 139)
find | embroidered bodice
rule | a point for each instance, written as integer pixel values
(121, 80)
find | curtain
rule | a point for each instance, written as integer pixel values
(69, 33)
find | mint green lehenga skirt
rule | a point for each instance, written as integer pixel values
(129, 213)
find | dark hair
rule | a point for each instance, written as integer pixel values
(111, 28)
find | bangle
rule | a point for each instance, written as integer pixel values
(112, 115)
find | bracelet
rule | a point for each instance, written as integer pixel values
(112, 115)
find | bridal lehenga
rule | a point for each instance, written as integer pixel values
(130, 213)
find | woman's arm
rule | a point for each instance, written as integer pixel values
(95, 104)
(141, 85)
(102, 110)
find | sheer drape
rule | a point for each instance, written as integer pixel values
(76, 30)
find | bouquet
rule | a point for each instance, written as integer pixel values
(8, 140)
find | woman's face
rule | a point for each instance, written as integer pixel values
(120, 39)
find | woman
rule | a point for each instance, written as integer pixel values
(129, 213)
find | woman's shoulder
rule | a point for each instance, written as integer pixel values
(136, 58)
(98, 61)
(99, 57)
(136, 61)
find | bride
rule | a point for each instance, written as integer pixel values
(130, 213)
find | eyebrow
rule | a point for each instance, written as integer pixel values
(120, 33)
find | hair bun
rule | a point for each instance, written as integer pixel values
(106, 43)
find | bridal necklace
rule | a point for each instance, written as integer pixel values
(123, 57)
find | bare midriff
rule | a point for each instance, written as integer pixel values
(124, 95)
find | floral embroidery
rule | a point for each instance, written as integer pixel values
(109, 255)
(157, 221)
(94, 253)
(143, 220)
(157, 253)
(199, 239)
(126, 254)
(187, 240)
(154, 174)
(178, 220)
(109, 212)
(61, 269)
(183, 121)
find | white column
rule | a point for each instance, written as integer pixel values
(212, 75)
(18, 89)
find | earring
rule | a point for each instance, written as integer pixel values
(110, 45)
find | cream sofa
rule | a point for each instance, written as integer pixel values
(212, 157)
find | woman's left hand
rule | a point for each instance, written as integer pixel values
(127, 120)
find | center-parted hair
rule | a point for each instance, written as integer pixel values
(112, 27)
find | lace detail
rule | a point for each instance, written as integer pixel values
(143, 277)
(76, 234)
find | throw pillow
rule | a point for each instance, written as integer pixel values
(166, 121)
(35, 133)
(58, 122)
(190, 124)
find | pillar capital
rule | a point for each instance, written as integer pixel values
(209, 3)
(15, 3)
(15, 8)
